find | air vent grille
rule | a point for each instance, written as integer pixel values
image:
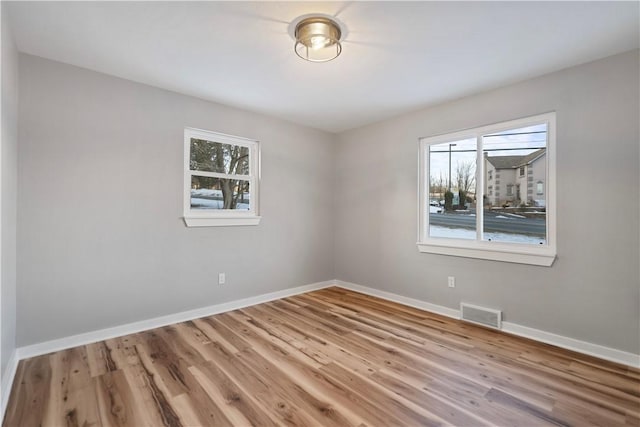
(481, 315)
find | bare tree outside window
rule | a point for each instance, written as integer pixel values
(466, 179)
(437, 188)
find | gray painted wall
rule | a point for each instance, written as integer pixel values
(101, 239)
(592, 292)
(101, 242)
(8, 179)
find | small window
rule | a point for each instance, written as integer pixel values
(221, 179)
(485, 225)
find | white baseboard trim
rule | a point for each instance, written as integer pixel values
(7, 382)
(607, 353)
(25, 352)
(584, 347)
(411, 302)
(144, 325)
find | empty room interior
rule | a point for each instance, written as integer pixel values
(320, 213)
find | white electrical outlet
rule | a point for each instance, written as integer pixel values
(221, 278)
(451, 281)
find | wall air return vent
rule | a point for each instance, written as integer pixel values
(481, 315)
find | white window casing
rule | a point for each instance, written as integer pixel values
(221, 217)
(542, 254)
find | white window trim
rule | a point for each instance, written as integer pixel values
(218, 218)
(543, 255)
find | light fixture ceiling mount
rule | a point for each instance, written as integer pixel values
(318, 39)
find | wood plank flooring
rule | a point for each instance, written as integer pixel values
(327, 358)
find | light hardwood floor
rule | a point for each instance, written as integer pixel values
(327, 358)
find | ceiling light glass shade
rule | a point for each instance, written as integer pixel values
(318, 39)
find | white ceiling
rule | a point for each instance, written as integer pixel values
(397, 56)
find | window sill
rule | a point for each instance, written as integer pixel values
(543, 257)
(191, 221)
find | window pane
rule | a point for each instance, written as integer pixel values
(515, 200)
(209, 156)
(219, 193)
(452, 189)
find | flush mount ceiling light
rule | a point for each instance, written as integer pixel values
(318, 39)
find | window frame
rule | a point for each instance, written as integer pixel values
(543, 255)
(221, 217)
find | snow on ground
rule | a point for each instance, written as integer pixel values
(212, 199)
(514, 215)
(465, 233)
(438, 209)
(206, 192)
(214, 204)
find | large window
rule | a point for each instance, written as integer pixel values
(221, 179)
(473, 217)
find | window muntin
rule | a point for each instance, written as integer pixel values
(532, 139)
(221, 179)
